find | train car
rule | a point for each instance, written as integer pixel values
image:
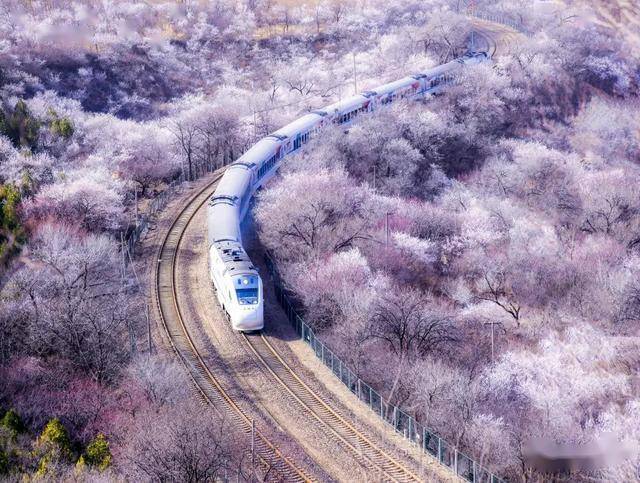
(237, 282)
(345, 111)
(299, 132)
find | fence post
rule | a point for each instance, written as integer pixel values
(409, 432)
(455, 461)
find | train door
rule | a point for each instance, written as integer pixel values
(297, 142)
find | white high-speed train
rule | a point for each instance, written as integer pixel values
(236, 280)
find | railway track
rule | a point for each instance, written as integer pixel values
(354, 441)
(272, 461)
(498, 38)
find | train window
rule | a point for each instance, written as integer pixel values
(266, 167)
(247, 296)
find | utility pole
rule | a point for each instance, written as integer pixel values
(386, 229)
(255, 130)
(146, 310)
(492, 324)
(471, 10)
(355, 78)
(253, 448)
(124, 255)
(374, 177)
(135, 195)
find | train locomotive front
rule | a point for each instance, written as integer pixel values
(238, 285)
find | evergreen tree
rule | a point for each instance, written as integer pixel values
(9, 200)
(4, 463)
(11, 233)
(20, 126)
(62, 127)
(98, 453)
(54, 445)
(12, 421)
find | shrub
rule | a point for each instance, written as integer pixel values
(55, 439)
(4, 463)
(12, 421)
(61, 126)
(11, 232)
(98, 453)
(20, 126)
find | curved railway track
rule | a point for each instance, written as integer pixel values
(208, 387)
(346, 433)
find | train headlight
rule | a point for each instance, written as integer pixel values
(245, 281)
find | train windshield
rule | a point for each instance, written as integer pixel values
(247, 296)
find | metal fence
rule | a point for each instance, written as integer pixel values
(403, 423)
(157, 204)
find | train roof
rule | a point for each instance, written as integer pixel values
(302, 124)
(236, 179)
(471, 58)
(222, 222)
(345, 105)
(395, 85)
(235, 259)
(260, 151)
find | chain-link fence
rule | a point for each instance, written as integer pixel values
(403, 423)
(157, 204)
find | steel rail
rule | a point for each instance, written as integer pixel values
(206, 384)
(353, 439)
